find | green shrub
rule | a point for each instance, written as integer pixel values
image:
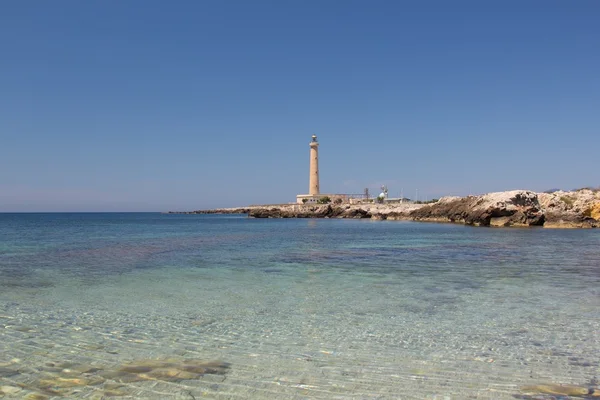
(304, 201)
(324, 200)
(593, 189)
(567, 200)
(427, 202)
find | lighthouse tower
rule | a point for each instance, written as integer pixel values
(313, 182)
(314, 192)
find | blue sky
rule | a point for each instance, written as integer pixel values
(156, 105)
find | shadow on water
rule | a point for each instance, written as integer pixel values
(466, 258)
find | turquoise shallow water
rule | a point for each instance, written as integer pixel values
(296, 308)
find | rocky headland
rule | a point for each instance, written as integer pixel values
(519, 208)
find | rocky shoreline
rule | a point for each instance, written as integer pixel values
(518, 208)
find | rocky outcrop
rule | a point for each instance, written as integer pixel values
(373, 211)
(595, 211)
(521, 208)
(295, 211)
(576, 209)
(515, 208)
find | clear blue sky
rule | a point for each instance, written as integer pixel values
(158, 105)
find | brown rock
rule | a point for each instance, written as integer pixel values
(561, 390)
(568, 219)
(595, 211)
(61, 383)
(35, 396)
(170, 374)
(515, 208)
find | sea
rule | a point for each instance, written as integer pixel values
(176, 306)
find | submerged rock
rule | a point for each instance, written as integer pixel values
(7, 372)
(170, 367)
(9, 389)
(59, 382)
(562, 390)
(62, 378)
(35, 396)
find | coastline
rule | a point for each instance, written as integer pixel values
(517, 208)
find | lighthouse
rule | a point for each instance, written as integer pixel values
(313, 181)
(314, 191)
